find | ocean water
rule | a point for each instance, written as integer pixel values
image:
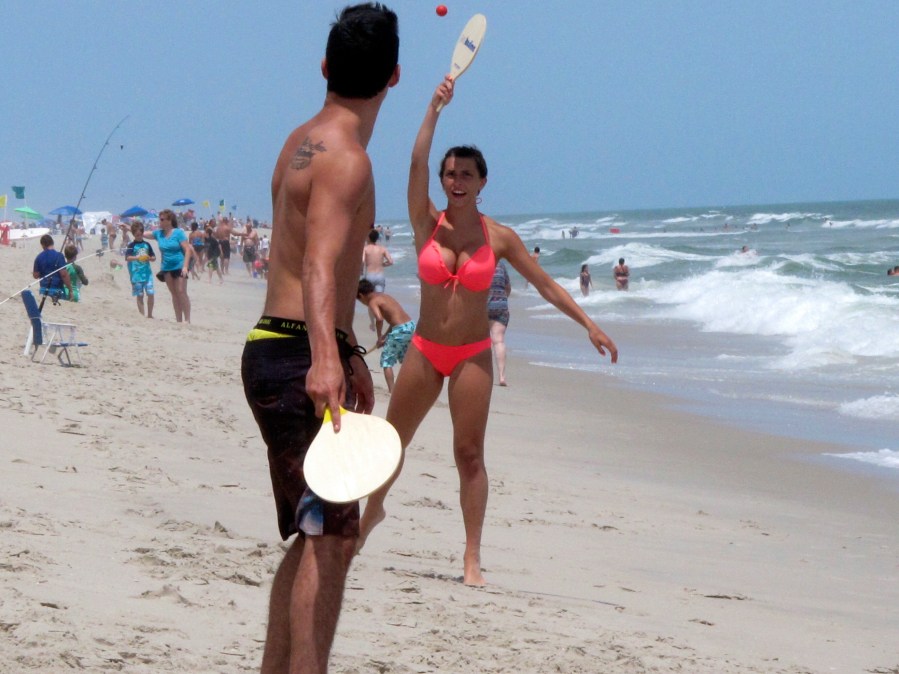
(799, 336)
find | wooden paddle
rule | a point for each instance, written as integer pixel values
(350, 465)
(467, 47)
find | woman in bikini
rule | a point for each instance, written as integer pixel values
(622, 274)
(457, 252)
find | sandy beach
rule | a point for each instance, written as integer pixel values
(137, 529)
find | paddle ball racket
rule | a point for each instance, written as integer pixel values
(350, 465)
(467, 47)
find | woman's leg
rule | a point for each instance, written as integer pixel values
(498, 337)
(172, 284)
(184, 299)
(180, 301)
(469, 400)
(414, 393)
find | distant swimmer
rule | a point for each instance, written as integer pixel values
(894, 271)
(622, 273)
(746, 250)
(586, 281)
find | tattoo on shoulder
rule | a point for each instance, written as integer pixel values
(304, 154)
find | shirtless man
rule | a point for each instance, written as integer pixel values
(622, 274)
(374, 258)
(223, 231)
(250, 246)
(301, 351)
(395, 342)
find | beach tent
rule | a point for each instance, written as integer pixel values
(92, 219)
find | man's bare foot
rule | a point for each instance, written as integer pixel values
(371, 517)
(502, 382)
(473, 575)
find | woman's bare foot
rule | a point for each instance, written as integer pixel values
(372, 516)
(473, 575)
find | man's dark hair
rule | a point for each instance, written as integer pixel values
(466, 152)
(363, 50)
(46, 241)
(374, 235)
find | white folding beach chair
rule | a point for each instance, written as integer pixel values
(52, 336)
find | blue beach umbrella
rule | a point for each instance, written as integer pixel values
(134, 211)
(65, 210)
(183, 202)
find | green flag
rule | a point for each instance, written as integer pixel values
(20, 192)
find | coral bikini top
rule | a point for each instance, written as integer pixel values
(475, 274)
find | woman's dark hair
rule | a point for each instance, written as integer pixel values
(465, 152)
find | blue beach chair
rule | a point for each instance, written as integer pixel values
(52, 336)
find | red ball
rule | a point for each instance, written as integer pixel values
(441, 10)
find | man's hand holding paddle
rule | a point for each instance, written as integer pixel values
(326, 386)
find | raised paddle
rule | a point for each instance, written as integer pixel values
(350, 465)
(467, 47)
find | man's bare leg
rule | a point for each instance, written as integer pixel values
(305, 604)
(389, 378)
(276, 657)
(315, 601)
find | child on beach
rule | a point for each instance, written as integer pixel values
(213, 255)
(76, 273)
(50, 268)
(139, 254)
(395, 342)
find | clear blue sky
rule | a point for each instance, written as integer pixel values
(578, 104)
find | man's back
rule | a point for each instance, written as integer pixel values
(322, 201)
(375, 256)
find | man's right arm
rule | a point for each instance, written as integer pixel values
(342, 182)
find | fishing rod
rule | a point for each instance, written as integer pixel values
(90, 175)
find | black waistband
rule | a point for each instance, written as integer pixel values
(286, 326)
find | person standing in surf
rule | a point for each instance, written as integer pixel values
(621, 273)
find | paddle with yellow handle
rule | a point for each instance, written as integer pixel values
(350, 465)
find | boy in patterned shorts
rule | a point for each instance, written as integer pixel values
(395, 342)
